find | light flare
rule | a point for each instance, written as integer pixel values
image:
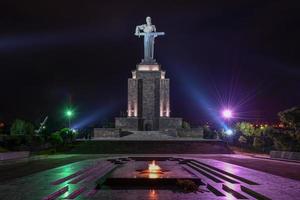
(227, 113)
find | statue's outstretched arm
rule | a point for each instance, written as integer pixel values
(154, 28)
(137, 29)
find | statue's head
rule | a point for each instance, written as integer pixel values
(148, 20)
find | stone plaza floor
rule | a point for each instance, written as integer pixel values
(223, 177)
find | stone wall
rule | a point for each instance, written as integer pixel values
(151, 147)
(127, 123)
(191, 132)
(148, 95)
(285, 155)
(106, 132)
(169, 123)
(176, 132)
(148, 74)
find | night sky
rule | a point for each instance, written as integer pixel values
(244, 54)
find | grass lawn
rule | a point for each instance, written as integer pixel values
(3, 150)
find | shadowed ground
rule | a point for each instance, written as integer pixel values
(22, 168)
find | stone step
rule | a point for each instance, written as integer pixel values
(148, 135)
(141, 146)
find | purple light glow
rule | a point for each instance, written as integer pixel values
(227, 113)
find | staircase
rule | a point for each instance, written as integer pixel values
(148, 135)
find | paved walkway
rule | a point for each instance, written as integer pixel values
(23, 167)
(276, 167)
(42, 184)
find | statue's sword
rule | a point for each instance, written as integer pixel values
(151, 33)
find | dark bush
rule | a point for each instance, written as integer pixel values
(55, 139)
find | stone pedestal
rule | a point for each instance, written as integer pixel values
(148, 101)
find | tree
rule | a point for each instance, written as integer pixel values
(208, 133)
(18, 127)
(290, 117)
(297, 141)
(247, 129)
(67, 135)
(29, 127)
(55, 139)
(267, 136)
(242, 140)
(258, 143)
(282, 142)
(21, 127)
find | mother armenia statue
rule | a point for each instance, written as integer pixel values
(148, 30)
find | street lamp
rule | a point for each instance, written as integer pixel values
(227, 113)
(229, 132)
(69, 114)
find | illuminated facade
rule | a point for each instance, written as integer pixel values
(148, 101)
(148, 84)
